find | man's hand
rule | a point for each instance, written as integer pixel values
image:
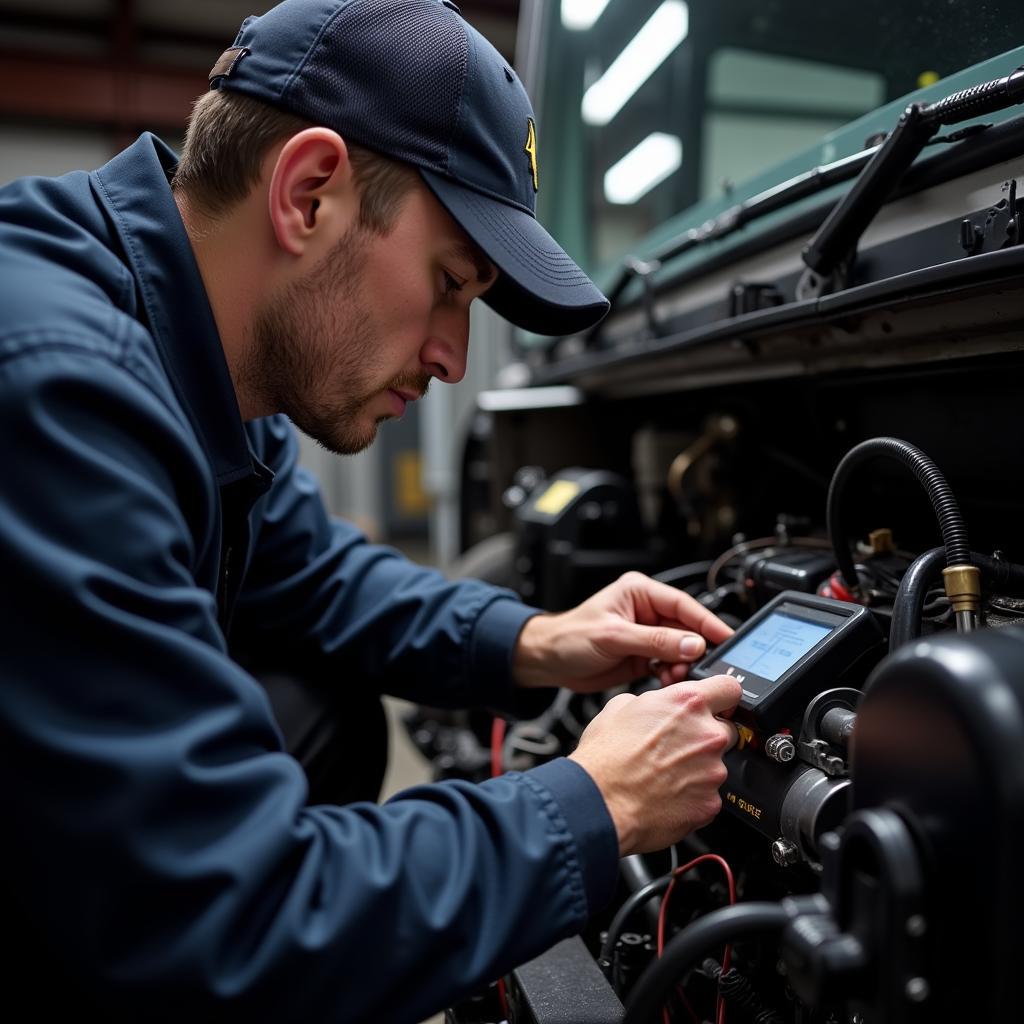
(657, 759)
(614, 636)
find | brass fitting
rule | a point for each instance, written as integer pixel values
(963, 587)
(881, 541)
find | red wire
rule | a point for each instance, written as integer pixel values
(497, 743)
(663, 914)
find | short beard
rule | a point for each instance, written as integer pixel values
(316, 334)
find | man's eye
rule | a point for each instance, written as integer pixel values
(451, 284)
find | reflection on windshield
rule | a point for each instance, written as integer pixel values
(652, 105)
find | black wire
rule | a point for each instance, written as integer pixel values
(678, 575)
(718, 928)
(635, 900)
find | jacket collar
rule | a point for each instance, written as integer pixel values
(135, 189)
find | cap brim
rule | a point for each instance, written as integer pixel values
(540, 288)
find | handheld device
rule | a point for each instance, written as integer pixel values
(794, 648)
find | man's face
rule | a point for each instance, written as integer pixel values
(347, 346)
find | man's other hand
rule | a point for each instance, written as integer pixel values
(633, 628)
(657, 759)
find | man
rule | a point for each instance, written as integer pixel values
(360, 173)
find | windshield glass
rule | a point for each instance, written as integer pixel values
(649, 106)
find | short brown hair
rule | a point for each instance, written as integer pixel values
(228, 136)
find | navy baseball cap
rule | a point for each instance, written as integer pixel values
(411, 80)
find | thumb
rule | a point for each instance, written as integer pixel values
(661, 643)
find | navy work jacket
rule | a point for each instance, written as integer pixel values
(159, 859)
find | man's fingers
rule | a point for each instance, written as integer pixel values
(734, 733)
(670, 603)
(659, 644)
(721, 692)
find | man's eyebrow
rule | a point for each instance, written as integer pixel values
(474, 254)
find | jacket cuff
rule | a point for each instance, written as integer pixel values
(495, 633)
(589, 824)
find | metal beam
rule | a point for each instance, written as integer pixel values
(99, 27)
(121, 92)
(60, 88)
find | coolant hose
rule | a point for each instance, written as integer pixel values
(954, 532)
(715, 929)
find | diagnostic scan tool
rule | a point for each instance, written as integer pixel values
(794, 648)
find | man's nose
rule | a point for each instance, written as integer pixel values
(446, 350)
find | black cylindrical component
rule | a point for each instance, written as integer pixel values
(954, 532)
(816, 803)
(837, 725)
(717, 928)
(756, 788)
(940, 729)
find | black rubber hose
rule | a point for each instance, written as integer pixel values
(925, 572)
(954, 532)
(729, 924)
(999, 575)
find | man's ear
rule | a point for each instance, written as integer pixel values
(311, 188)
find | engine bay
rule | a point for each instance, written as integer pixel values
(871, 698)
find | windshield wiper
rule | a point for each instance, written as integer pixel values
(735, 217)
(865, 198)
(830, 254)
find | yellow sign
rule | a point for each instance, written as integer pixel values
(530, 149)
(556, 497)
(410, 496)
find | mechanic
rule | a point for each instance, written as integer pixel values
(358, 174)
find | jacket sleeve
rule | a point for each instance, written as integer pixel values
(157, 830)
(316, 589)
(157, 833)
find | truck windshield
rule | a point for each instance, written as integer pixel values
(649, 106)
